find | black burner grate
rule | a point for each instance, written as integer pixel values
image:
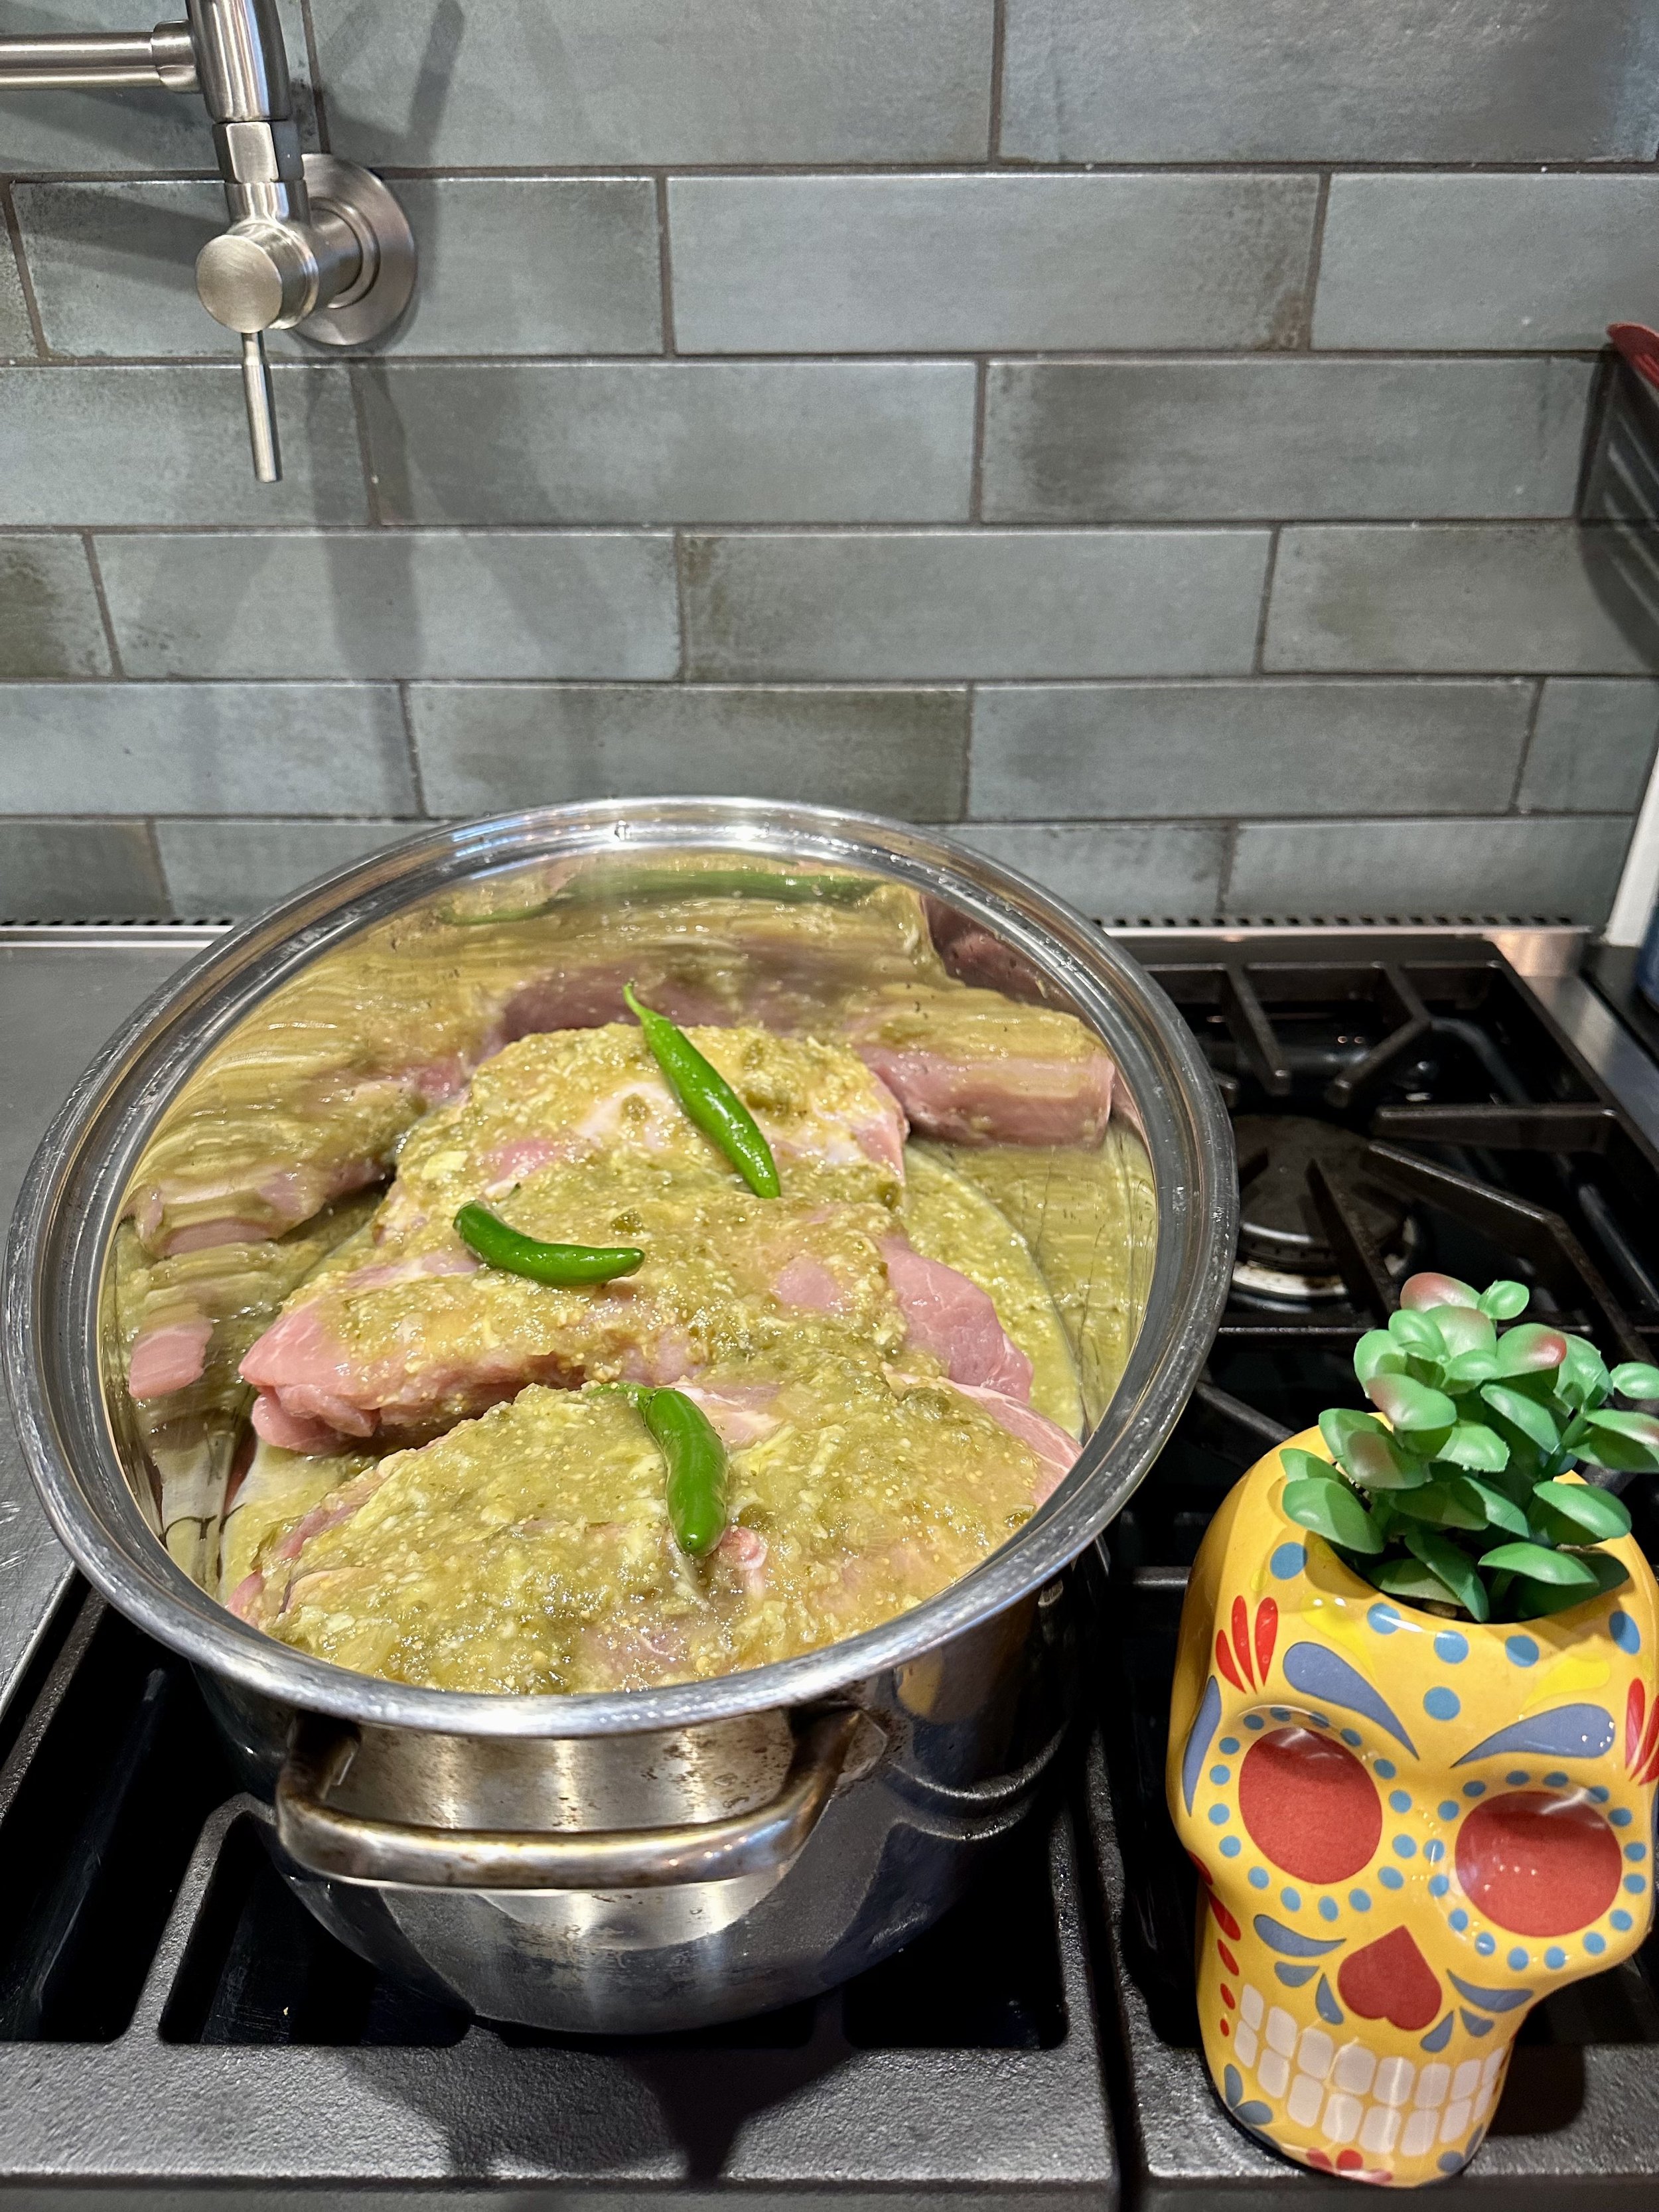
(170, 2015)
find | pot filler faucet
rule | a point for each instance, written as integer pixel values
(314, 244)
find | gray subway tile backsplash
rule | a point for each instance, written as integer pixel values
(1278, 437)
(390, 604)
(1550, 868)
(508, 264)
(1252, 748)
(1452, 598)
(483, 746)
(939, 604)
(671, 442)
(202, 749)
(600, 84)
(53, 870)
(112, 264)
(1484, 262)
(219, 868)
(931, 264)
(1592, 746)
(50, 624)
(1114, 871)
(1322, 80)
(532, 264)
(163, 443)
(1182, 487)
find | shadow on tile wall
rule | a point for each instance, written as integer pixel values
(1166, 442)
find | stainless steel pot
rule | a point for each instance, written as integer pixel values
(648, 1859)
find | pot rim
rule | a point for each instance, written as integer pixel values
(71, 1198)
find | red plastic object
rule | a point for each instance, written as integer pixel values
(1640, 347)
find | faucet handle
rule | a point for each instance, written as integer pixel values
(261, 409)
(340, 275)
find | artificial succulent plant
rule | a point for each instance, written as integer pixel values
(1454, 1498)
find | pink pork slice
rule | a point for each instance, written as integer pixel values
(972, 1067)
(170, 1357)
(954, 1320)
(315, 1392)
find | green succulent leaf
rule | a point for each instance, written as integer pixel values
(1624, 1443)
(1411, 1580)
(1534, 1599)
(1504, 1301)
(1635, 1379)
(1583, 1379)
(1330, 1509)
(1445, 1505)
(1470, 1368)
(1379, 1461)
(1583, 1512)
(1559, 1570)
(1410, 1406)
(1522, 1413)
(1417, 1333)
(1377, 1353)
(1464, 1329)
(1472, 1445)
(1339, 1423)
(1421, 1293)
(1530, 1349)
(1453, 1567)
(1304, 1466)
(1501, 1511)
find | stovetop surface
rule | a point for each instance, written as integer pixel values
(170, 2018)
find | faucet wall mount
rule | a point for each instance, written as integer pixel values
(315, 243)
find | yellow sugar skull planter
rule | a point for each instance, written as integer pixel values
(1409, 1830)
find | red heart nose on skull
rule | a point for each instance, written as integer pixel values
(1390, 1979)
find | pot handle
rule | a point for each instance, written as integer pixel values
(344, 1846)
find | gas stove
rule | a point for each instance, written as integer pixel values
(170, 2019)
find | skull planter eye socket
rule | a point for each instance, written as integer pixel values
(1408, 1829)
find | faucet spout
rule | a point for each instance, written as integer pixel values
(341, 271)
(102, 60)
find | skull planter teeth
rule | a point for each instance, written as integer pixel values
(1411, 1823)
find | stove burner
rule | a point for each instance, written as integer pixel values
(1285, 1252)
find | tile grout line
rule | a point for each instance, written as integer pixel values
(971, 719)
(681, 607)
(1145, 355)
(151, 829)
(1310, 679)
(999, 52)
(1230, 833)
(664, 268)
(318, 97)
(13, 232)
(1316, 256)
(406, 711)
(976, 459)
(111, 640)
(376, 518)
(1185, 166)
(1188, 821)
(1535, 707)
(1183, 526)
(1258, 666)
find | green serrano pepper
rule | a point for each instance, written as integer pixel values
(517, 1254)
(708, 1099)
(697, 1467)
